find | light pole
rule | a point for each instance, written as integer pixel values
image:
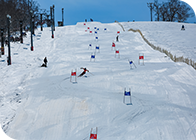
(41, 22)
(31, 24)
(62, 16)
(52, 23)
(53, 19)
(9, 51)
(21, 36)
(150, 6)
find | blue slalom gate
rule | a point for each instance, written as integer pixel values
(127, 95)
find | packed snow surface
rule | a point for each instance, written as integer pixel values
(38, 103)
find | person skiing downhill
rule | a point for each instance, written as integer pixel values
(85, 70)
(45, 62)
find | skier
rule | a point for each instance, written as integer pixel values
(117, 38)
(85, 70)
(45, 62)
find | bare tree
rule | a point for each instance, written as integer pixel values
(19, 10)
(173, 10)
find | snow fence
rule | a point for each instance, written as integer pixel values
(169, 54)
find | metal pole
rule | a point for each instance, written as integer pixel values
(9, 50)
(21, 36)
(41, 22)
(62, 16)
(31, 23)
(53, 19)
(150, 5)
(2, 42)
(151, 10)
(51, 22)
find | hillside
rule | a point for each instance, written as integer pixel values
(42, 103)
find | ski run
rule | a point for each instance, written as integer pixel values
(52, 103)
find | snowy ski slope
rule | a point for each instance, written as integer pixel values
(42, 104)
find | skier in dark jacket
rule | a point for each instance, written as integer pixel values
(117, 38)
(85, 70)
(45, 62)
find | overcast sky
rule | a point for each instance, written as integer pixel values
(105, 11)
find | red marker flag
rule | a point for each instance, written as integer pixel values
(141, 57)
(73, 73)
(118, 32)
(93, 136)
(117, 51)
(113, 45)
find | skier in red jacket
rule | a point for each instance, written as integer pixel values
(85, 70)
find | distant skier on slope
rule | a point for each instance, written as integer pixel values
(45, 62)
(117, 38)
(85, 70)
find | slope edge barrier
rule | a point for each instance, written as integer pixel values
(169, 54)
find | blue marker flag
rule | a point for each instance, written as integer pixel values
(127, 93)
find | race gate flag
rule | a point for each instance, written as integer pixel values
(97, 48)
(117, 53)
(90, 46)
(118, 32)
(141, 59)
(73, 74)
(113, 46)
(93, 136)
(127, 95)
(105, 29)
(92, 56)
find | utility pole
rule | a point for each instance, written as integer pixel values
(31, 24)
(51, 20)
(9, 51)
(41, 22)
(21, 35)
(62, 16)
(150, 5)
(2, 42)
